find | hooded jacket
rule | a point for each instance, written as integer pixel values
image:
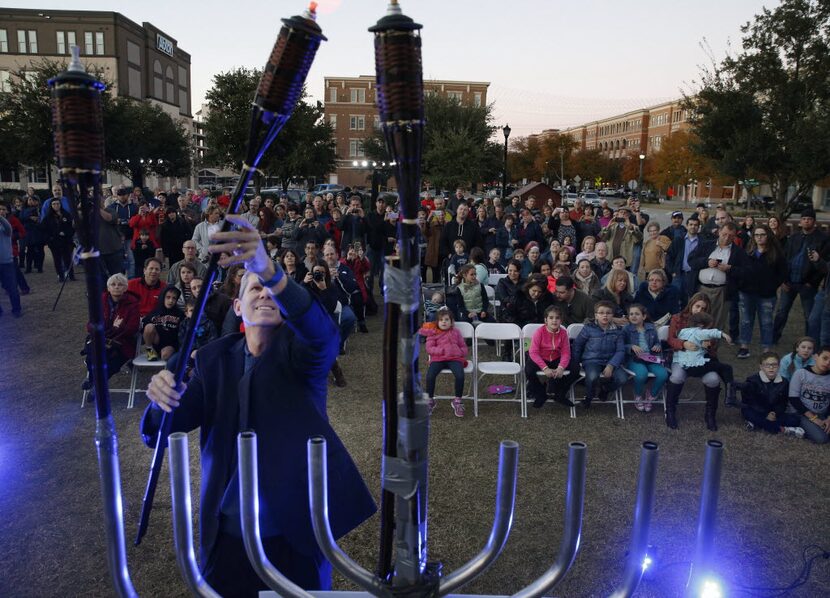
(166, 319)
(595, 346)
(444, 345)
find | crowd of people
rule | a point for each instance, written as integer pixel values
(705, 277)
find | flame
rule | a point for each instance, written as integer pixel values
(327, 7)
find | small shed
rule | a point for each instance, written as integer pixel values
(541, 192)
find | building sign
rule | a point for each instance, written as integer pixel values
(164, 44)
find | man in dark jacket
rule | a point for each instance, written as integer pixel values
(380, 230)
(461, 227)
(353, 224)
(677, 260)
(528, 230)
(174, 232)
(718, 267)
(803, 277)
(270, 379)
(577, 306)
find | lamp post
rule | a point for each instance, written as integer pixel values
(562, 171)
(506, 131)
(640, 179)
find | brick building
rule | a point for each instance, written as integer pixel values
(349, 106)
(140, 61)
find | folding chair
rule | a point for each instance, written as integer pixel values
(573, 331)
(467, 331)
(497, 332)
(140, 362)
(528, 330)
(493, 279)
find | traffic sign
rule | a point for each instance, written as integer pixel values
(632, 184)
(577, 178)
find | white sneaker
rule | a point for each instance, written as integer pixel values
(750, 426)
(639, 404)
(431, 405)
(798, 432)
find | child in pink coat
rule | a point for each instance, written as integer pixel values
(550, 353)
(447, 350)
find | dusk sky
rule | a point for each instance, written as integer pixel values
(551, 64)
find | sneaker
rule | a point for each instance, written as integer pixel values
(750, 426)
(458, 407)
(151, 354)
(743, 353)
(431, 405)
(639, 404)
(649, 404)
(793, 431)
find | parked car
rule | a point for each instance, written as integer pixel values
(294, 195)
(570, 199)
(591, 198)
(326, 188)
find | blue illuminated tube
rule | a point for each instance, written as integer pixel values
(574, 501)
(182, 524)
(638, 559)
(700, 584)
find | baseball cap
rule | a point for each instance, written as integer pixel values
(677, 214)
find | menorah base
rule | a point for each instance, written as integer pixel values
(270, 594)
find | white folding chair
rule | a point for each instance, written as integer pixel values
(663, 335)
(528, 330)
(491, 297)
(493, 279)
(140, 362)
(467, 331)
(497, 332)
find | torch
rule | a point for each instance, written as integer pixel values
(400, 100)
(78, 126)
(278, 92)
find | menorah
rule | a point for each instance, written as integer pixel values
(403, 515)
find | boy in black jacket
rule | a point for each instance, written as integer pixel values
(765, 396)
(160, 328)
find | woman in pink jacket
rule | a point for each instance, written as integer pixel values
(550, 353)
(447, 351)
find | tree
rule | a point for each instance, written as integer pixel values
(304, 149)
(591, 164)
(142, 139)
(678, 161)
(541, 157)
(765, 113)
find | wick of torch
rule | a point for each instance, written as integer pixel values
(311, 13)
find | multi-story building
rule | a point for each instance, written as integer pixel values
(349, 106)
(140, 61)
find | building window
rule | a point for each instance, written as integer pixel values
(9, 174)
(333, 120)
(36, 175)
(4, 40)
(21, 41)
(61, 38)
(332, 94)
(357, 123)
(158, 82)
(99, 42)
(356, 148)
(170, 85)
(376, 122)
(182, 77)
(133, 53)
(358, 95)
(184, 107)
(477, 99)
(32, 41)
(455, 95)
(89, 47)
(134, 82)
(5, 81)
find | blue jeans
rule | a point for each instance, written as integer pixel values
(592, 372)
(750, 304)
(435, 368)
(347, 322)
(635, 258)
(129, 262)
(8, 280)
(641, 371)
(785, 303)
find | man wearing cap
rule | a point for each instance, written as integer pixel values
(803, 278)
(124, 209)
(675, 230)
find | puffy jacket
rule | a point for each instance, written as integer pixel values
(765, 396)
(632, 337)
(599, 347)
(444, 345)
(666, 302)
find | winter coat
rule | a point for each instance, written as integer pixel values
(595, 346)
(666, 302)
(148, 296)
(173, 235)
(444, 345)
(148, 222)
(31, 222)
(506, 289)
(58, 227)
(632, 235)
(120, 322)
(433, 231)
(290, 232)
(546, 347)
(763, 395)
(631, 337)
(762, 279)
(522, 310)
(621, 305)
(738, 259)
(359, 267)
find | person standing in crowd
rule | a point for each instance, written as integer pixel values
(59, 235)
(677, 259)
(288, 347)
(124, 210)
(600, 262)
(766, 270)
(188, 211)
(621, 236)
(57, 194)
(8, 279)
(35, 241)
(18, 237)
(173, 234)
(348, 291)
(803, 278)
(528, 231)
(460, 228)
(653, 254)
(110, 242)
(675, 230)
(719, 266)
(201, 234)
(146, 219)
(353, 224)
(433, 231)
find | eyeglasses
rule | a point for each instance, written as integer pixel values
(759, 235)
(770, 365)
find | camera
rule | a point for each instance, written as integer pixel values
(318, 276)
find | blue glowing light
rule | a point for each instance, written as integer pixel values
(646, 563)
(711, 589)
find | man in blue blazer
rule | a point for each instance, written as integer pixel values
(270, 379)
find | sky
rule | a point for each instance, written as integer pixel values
(550, 63)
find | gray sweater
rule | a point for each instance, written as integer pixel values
(810, 392)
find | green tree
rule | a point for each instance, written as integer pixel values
(765, 113)
(304, 149)
(678, 161)
(142, 139)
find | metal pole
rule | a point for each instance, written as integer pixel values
(707, 520)
(506, 131)
(640, 179)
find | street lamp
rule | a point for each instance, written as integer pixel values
(640, 180)
(506, 131)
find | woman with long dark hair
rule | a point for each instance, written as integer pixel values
(757, 292)
(59, 233)
(293, 265)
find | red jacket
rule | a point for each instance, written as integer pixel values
(360, 267)
(148, 297)
(444, 345)
(18, 232)
(149, 221)
(120, 322)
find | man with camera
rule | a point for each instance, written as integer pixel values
(621, 235)
(353, 224)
